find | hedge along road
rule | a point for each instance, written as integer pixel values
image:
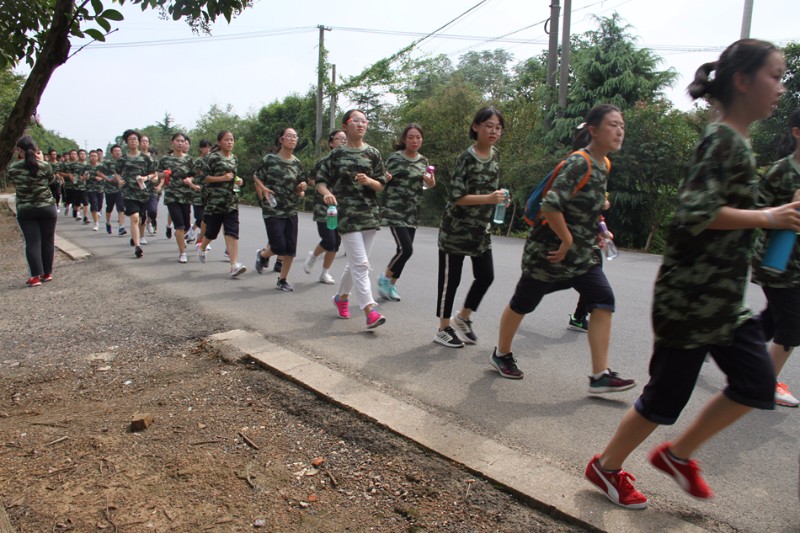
(753, 466)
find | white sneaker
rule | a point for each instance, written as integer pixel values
(142, 240)
(237, 269)
(190, 235)
(326, 278)
(309, 264)
(95, 227)
(784, 397)
(150, 229)
(182, 258)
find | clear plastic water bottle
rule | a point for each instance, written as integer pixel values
(609, 248)
(500, 209)
(332, 220)
(271, 199)
(430, 169)
(237, 185)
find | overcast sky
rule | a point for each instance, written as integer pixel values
(150, 67)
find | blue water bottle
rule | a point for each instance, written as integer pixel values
(779, 250)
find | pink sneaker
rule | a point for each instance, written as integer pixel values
(616, 486)
(687, 475)
(342, 307)
(374, 319)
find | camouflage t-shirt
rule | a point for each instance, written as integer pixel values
(79, 170)
(107, 167)
(777, 188)
(176, 191)
(220, 198)
(464, 229)
(357, 204)
(129, 168)
(403, 193)
(581, 212)
(281, 176)
(198, 197)
(66, 170)
(93, 184)
(320, 209)
(699, 292)
(31, 191)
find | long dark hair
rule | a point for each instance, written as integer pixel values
(594, 117)
(28, 145)
(788, 144)
(400, 144)
(746, 56)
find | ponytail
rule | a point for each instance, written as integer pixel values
(28, 145)
(788, 144)
(594, 117)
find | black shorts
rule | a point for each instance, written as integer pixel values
(114, 200)
(674, 371)
(282, 235)
(329, 238)
(215, 221)
(136, 207)
(95, 200)
(592, 285)
(181, 215)
(81, 198)
(781, 318)
(199, 211)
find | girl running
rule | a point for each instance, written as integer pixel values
(698, 302)
(464, 231)
(36, 209)
(781, 318)
(280, 180)
(355, 173)
(222, 203)
(329, 238)
(400, 203)
(560, 252)
(178, 194)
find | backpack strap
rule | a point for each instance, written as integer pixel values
(585, 178)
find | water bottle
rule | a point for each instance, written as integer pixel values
(271, 199)
(332, 219)
(500, 209)
(609, 247)
(430, 169)
(237, 185)
(779, 250)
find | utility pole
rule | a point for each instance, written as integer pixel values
(747, 17)
(552, 54)
(563, 80)
(333, 98)
(320, 81)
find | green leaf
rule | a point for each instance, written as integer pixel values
(97, 5)
(95, 34)
(112, 14)
(103, 23)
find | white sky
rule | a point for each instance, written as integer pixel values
(105, 89)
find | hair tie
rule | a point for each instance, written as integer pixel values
(581, 126)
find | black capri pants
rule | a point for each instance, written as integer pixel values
(282, 235)
(114, 200)
(781, 318)
(181, 215)
(95, 201)
(228, 221)
(450, 267)
(404, 239)
(592, 285)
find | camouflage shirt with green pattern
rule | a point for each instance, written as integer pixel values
(219, 197)
(403, 193)
(282, 177)
(320, 213)
(93, 184)
(199, 197)
(699, 292)
(79, 170)
(31, 191)
(176, 191)
(129, 168)
(581, 212)
(464, 229)
(357, 205)
(107, 167)
(778, 187)
(66, 170)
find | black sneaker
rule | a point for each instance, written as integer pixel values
(278, 265)
(169, 232)
(108, 229)
(284, 285)
(465, 328)
(447, 337)
(132, 244)
(609, 382)
(138, 252)
(506, 365)
(261, 263)
(577, 323)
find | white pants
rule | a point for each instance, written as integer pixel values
(355, 277)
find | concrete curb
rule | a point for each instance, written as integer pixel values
(545, 487)
(76, 253)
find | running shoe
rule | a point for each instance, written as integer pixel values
(326, 278)
(465, 328)
(142, 240)
(609, 382)
(342, 307)
(278, 265)
(309, 262)
(506, 365)
(86, 221)
(169, 232)
(33, 281)
(578, 324)
(685, 473)
(46, 277)
(394, 296)
(122, 231)
(150, 229)
(108, 229)
(138, 252)
(284, 285)
(385, 287)
(447, 337)
(616, 485)
(261, 262)
(190, 235)
(226, 255)
(201, 254)
(238, 269)
(95, 227)
(182, 258)
(784, 397)
(375, 319)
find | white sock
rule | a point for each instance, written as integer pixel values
(599, 374)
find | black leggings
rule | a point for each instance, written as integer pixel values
(404, 239)
(38, 225)
(450, 266)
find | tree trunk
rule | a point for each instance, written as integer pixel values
(53, 54)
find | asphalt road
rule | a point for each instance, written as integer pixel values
(753, 466)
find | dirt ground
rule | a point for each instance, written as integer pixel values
(231, 446)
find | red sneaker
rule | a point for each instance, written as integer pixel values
(33, 282)
(686, 475)
(616, 486)
(46, 278)
(342, 307)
